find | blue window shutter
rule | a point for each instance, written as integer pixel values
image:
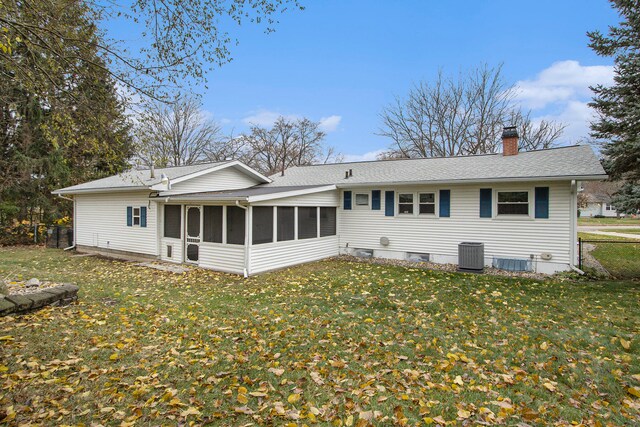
(347, 201)
(375, 200)
(485, 203)
(129, 216)
(389, 203)
(542, 202)
(143, 216)
(445, 203)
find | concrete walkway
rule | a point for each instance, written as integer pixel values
(614, 234)
(611, 230)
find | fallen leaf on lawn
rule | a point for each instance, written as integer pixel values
(634, 391)
(463, 414)
(276, 371)
(293, 398)
(625, 344)
(190, 411)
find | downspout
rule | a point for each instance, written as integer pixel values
(573, 206)
(74, 221)
(246, 239)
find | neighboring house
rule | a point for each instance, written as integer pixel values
(228, 217)
(595, 199)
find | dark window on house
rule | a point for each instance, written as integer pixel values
(286, 223)
(172, 214)
(513, 203)
(262, 224)
(235, 225)
(405, 203)
(307, 223)
(427, 203)
(136, 216)
(212, 224)
(327, 222)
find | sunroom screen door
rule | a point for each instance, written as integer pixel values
(194, 233)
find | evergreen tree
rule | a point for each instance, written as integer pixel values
(68, 128)
(618, 106)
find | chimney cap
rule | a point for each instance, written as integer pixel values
(510, 132)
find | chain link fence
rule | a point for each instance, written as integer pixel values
(617, 258)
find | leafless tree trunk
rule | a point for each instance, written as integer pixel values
(176, 134)
(453, 117)
(287, 143)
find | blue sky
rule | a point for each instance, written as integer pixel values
(341, 62)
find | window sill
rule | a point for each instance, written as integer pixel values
(512, 218)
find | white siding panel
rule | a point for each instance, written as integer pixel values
(176, 249)
(507, 237)
(101, 221)
(324, 198)
(271, 256)
(225, 179)
(229, 258)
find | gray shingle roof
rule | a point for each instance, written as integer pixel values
(139, 178)
(568, 162)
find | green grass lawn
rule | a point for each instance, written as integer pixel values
(331, 343)
(620, 260)
(631, 231)
(608, 221)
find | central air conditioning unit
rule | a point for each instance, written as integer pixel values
(471, 257)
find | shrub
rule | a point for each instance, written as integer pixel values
(21, 233)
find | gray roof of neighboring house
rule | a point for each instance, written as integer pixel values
(141, 178)
(246, 193)
(563, 162)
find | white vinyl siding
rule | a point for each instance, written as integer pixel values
(176, 249)
(272, 256)
(225, 179)
(503, 236)
(324, 198)
(227, 258)
(101, 222)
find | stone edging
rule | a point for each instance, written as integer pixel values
(57, 295)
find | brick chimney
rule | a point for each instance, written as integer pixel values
(509, 141)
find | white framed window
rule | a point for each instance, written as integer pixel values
(362, 199)
(513, 203)
(427, 203)
(609, 207)
(405, 203)
(136, 216)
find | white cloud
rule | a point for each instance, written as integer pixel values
(371, 155)
(266, 118)
(562, 82)
(577, 116)
(330, 124)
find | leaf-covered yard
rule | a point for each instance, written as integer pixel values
(331, 343)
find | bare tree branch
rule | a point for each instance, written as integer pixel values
(452, 117)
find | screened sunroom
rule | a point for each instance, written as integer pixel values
(249, 231)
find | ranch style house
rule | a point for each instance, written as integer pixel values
(226, 216)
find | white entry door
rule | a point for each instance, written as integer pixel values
(193, 233)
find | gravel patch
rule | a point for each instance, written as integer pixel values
(453, 268)
(26, 287)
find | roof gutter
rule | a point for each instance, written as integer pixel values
(474, 181)
(98, 190)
